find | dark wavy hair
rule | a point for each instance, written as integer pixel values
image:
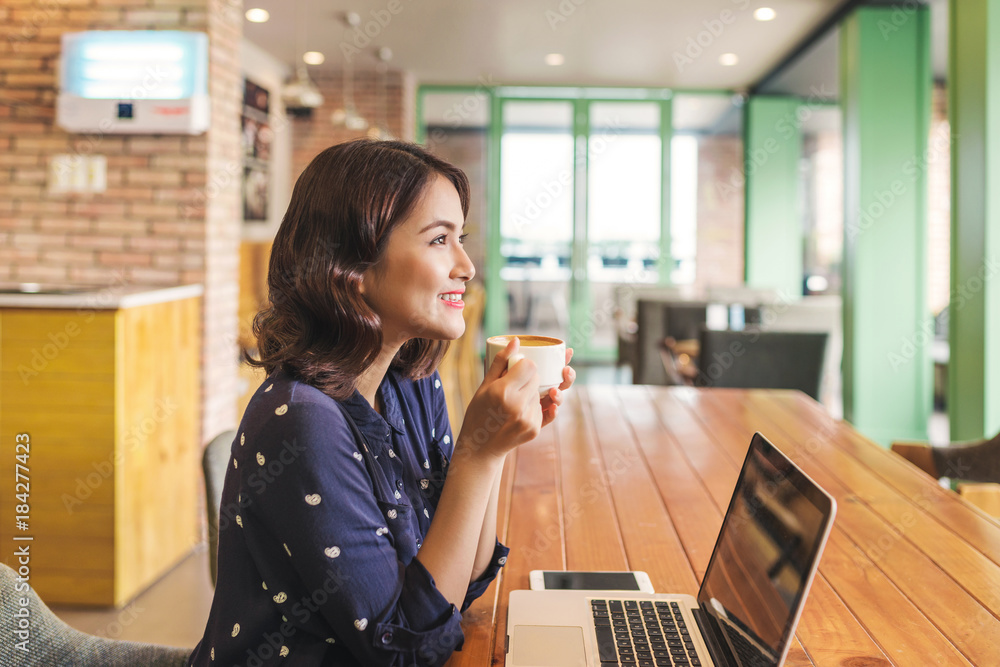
(345, 205)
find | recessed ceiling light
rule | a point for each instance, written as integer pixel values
(555, 59)
(313, 58)
(257, 15)
(764, 14)
(728, 59)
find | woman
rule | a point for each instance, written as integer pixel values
(363, 527)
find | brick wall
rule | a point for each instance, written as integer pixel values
(312, 135)
(719, 258)
(170, 214)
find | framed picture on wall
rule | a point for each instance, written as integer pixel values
(256, 142)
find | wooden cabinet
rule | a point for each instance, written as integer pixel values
(109, 397)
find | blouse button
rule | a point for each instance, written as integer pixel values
(387, 638)
(399, 484)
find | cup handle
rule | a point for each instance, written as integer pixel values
(513, 359)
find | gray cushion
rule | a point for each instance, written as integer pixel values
(52, 643)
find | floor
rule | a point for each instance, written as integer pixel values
(174, 610)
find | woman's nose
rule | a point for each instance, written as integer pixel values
(464, 268)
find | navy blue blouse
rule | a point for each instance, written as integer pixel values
(319, 527)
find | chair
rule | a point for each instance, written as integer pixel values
(214, 463)
(762, 360)
(52, 643)
(977, 461)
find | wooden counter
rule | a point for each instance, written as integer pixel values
(106, 385)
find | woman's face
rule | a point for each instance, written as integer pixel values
(416, 289)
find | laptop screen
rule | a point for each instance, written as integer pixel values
(763, 562)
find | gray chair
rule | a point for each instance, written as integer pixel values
(762, 360)
(52, 643)
(657, 320)
(214, 463)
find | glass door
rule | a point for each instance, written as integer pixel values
(536, 214)
(624, 215)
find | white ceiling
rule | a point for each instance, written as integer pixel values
(605, 42)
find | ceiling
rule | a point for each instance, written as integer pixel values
(658, 43)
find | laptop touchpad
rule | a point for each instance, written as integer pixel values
(549, 646)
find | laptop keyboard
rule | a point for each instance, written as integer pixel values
(642, 633)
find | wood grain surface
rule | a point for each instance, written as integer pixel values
(639, 477)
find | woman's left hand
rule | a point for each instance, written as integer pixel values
(552, 400)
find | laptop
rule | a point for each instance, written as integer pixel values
(746, 610)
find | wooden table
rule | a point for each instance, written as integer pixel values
(637, 477)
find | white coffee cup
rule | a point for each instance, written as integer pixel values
(549, 355)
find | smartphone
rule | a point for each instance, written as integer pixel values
(590, 581)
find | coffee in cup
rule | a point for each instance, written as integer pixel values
(549, 355)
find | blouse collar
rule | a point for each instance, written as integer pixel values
(363, 413)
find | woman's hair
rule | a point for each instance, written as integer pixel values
(343, 209)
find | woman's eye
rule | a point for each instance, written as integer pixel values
(461, 239)
(440, 240)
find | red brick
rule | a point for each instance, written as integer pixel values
(25, 127)
(177, 195)
(43, 207)
(97, 208)
(40, 273)
(30, 79)
(123, 227)
(42, 144)
(97, 143)
(17, 191)
(19, 159)
(129, 193)
(149, 145)
(70, 224)
(163, 178)
(153, 244)
(30, 175)
(14, 255)
(67, 256)
(155, 276)
(109, 16)
(13, 64)
(178, 228)
(182, 162)
(154, 210)
(124, 258)
(97, 242)
(19, 46)
(17, 224)
(153, 17)
(37, 240)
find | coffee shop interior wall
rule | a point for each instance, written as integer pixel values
(171, 212)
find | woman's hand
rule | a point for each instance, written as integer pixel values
(552, 400)
(505, 411)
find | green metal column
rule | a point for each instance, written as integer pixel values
(496, 317)
(665, 264)
(885, 94)
(579, 284)
(974, 111)
(772, 149)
